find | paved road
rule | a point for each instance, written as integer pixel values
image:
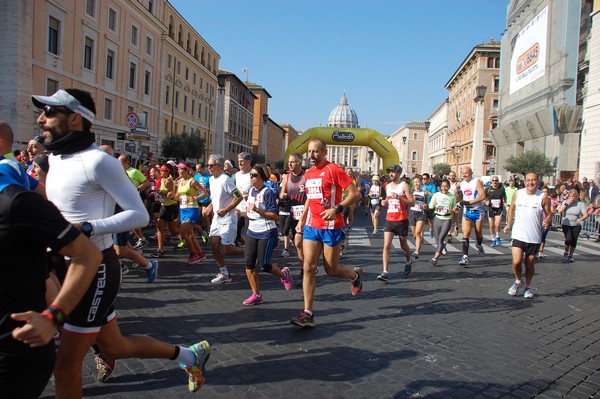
(445, 332)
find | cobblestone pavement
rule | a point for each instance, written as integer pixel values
(441, 332)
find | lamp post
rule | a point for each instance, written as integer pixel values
(265, 119)
(478, 150)
(425, 166)
(405, 152)
(283, 149)
(219, 127)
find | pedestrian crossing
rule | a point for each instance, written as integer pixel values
(361, 237)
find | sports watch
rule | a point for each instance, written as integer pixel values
(87, 229)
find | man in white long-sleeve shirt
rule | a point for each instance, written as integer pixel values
(86, 183)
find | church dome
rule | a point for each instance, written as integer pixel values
(343, 115)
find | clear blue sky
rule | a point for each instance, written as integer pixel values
(392, 58)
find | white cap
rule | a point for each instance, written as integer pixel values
(63, 99)
(375, 177)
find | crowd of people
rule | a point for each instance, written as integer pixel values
(86, 204)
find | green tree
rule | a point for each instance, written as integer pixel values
(441, 169)
(258, 158)
(195, 145)
(172, 146)
(531, 160)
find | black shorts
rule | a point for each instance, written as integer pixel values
(121, 239)
(168, 213)
(528, 248)
(96, 307)
(429, 213)
(493, 212)
(414, 217)
(399, 228)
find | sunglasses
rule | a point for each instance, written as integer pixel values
(255, 175)
(494, 181)
(211, 165)
(50, 111)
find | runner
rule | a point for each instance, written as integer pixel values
(443, 203)
(473, 196)
(416, 215)
(495, 200)
(376, 194)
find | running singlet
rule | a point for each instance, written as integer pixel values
(420, 202)
(374, 194)
(452, 189)
(496, 197)
(469, 190)
(187, 194)
(324, 187)
(529, 216)
(295, 189)
(166, 201)
(396, 209)
(203, 180)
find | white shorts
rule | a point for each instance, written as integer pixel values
(227, 231)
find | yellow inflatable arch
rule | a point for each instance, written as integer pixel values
(347, 136)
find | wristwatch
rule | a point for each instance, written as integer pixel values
(87, 229)
(55, 314)
(339, 208)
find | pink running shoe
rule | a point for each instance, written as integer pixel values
(287, 280)
(253, 300)
(194, 258)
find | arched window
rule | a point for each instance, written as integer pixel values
(188, 44)
(413, 156)
(196, 49)
(490, 62)
(171, 33)
(180, 36)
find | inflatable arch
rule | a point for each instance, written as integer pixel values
(347, 136)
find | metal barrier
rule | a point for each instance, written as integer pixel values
(590, 227)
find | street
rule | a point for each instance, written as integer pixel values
(440, 332)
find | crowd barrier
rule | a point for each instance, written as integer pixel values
(589, 228)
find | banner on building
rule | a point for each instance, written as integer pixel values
(528, 60)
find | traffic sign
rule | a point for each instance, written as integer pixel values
(131, 120)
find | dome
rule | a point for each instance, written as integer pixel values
(343, 115)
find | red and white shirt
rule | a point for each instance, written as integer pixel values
(324, 186)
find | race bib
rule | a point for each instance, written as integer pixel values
(297, 211)
(183, 201)
(496, 203)
(314, 189)
(394, 206)
(442, 210)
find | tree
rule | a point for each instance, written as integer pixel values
(529, 161)
(258, 158)
(441, 169)
(183, 146)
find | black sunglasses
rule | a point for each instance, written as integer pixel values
(211, 165)
(255, 175)
(50, 111)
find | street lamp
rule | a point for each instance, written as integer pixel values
(478, 129)
(220, 117)
(265, 119)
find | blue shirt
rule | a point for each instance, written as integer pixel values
(431, 188)
(203, 180)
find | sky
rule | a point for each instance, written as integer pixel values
(392, 58)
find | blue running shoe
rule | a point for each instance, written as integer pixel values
(152, 271)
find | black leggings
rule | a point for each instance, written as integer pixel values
(571, 234)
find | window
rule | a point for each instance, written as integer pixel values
(108, 109)
(178, 68)
(132, 73)
(129, 109)
(147, 82)
(151, 6)
(495, 105)
(193, 106)
(187, 73)
(184, 103)
(112, 20)
(194, 79)
(53, 35)
(177, 99)
(51, 86)
(90, 8)
(169, 61)
(415, 136)
(148, 45)
(496, 84)
(110, 64)
(88, 51)
(167, 95)
(134, 35)
(413, 156)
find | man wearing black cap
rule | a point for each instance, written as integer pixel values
(85, 184)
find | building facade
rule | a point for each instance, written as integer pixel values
(409, 140)
(437, 137)
(189, 75)
(471, 114)
(543, 75)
